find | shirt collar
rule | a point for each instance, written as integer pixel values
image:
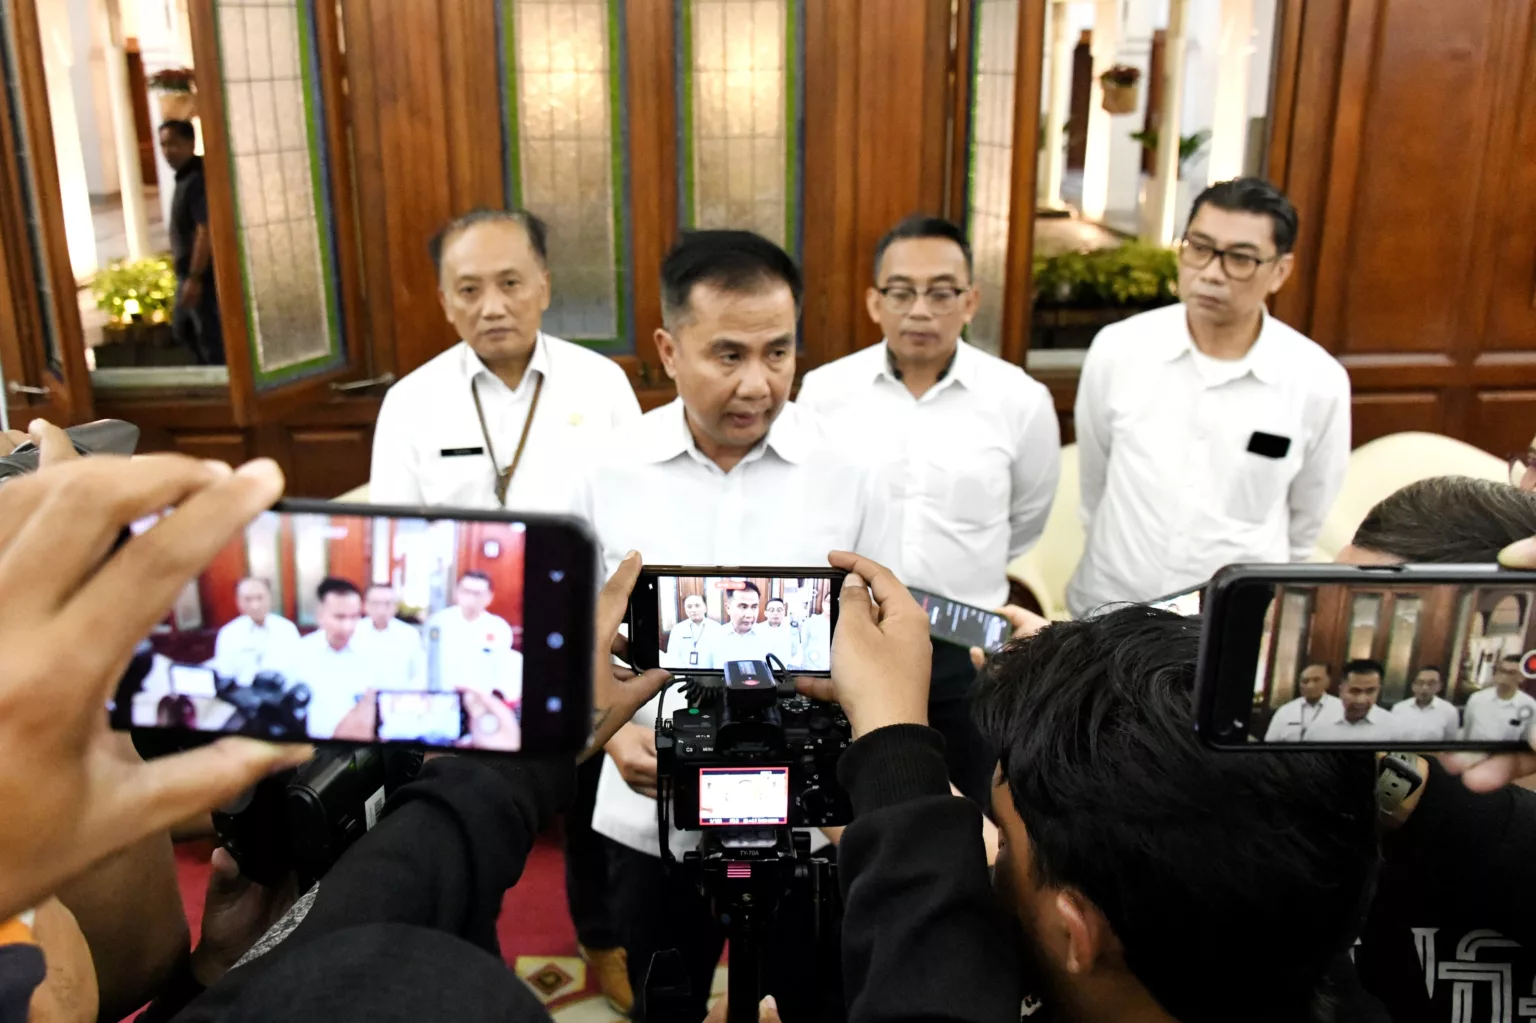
(786, 437)
(957, 368)
(472, 367)
(1264, 359)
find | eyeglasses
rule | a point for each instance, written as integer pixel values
(1239, 266)
(900, 299)
(1519, 465)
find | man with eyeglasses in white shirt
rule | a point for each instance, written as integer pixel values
(257, 639)
(1208, 432)
(731, 473)
(1503, 712)
(970, 447)
(500, 419)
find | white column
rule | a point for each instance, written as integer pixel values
(130, 177)
(1229, 123)
(74, 192)
(1163, 190)
(1106, 43)
(1058, 66)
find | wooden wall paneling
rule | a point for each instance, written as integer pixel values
(368, 165)
(21, 347)
(472, 92)
(1503, 421)
(70, 387)
(650, 52)
(1019, 276)
(324, 461)
(831, 183)
(216, 586)
(349, 550)
(1377, 414)
(1508, 238)
(961, 63)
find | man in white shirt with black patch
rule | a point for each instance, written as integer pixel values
(468, 647)
(402, 659)
(969, 448)
(1208, 432)
(1502, 712)
(1358, 718)
(257, 639)
(1426, 717)
(1292, 720)
(731, 473)
(688, 642)
(503, 417)
(331, 661)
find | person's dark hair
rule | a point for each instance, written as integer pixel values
(538, 231)
(380, 586)
(331, 584)
(738, 262)
(777, 600)
(1431, 667)
(1364, 666)
(1254, 195)
(180, 129)
(475, 573)
(920, 225)
(750, 586)
(1511, 659)
(1123, 803)
(1448, 520)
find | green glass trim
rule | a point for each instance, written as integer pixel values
(970, 126)
(514, 116)
(791, 128)
(687, 210)
(234, 176)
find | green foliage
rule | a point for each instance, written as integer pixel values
(1133, 274)
(143, 290)
(1189, 145)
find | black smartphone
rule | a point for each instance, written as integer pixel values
(1186, 603)
(1391, 657)
(104, 437)
(692, 621)
(327, 622)
(962, 624)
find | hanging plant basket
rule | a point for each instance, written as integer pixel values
(1122, 89)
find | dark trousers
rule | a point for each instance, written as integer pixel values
(587, 865)
(662, 909)
(197, 327)
(950, 698)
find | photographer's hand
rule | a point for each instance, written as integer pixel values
(617, 692)
(633, 750)
(236, 913)
(881, 654)
(1025, 624)
(71, 611)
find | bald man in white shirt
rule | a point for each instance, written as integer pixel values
(256, 640)
(1208, 432)
(1315, 704)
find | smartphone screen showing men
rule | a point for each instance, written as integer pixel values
(378, 627)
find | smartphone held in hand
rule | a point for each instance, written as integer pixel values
(324, 622)
(1383, 658)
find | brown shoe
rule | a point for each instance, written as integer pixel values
(611, 965)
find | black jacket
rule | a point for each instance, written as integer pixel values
(924, 937)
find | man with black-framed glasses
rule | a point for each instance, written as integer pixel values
(1208, 432)
(968, 445)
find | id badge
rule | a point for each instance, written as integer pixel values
(693, 659)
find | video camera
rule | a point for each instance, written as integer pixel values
(745, 762)
(104, 436)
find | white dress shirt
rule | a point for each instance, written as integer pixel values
(242, 648)
(1436, 723)
(970, 467)
(1490, 719)
(781, 641)
(1292, 720)
(686, 639)
(790, 501)
(402, 658)
(1170, 490)
(336, 678)
(428, 448)
(816, 643)
(478, 655)
(728, 645)
(1376, 726)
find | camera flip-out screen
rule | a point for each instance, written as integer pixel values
(743, 796)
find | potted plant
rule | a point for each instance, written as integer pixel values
(138, 298)
(174, 89)
(1122, 89)
(1079, 293)
(1190, 146)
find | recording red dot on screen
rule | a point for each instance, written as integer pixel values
(1528, 664)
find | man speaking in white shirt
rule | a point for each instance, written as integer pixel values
(1358, 718)
(257, 639)
(330, 661)
(968, 445)
(731, 473)
(1426, 717)
(500, 419)
(468, 647)
(1208, 433)
(742, 639)
(1291, 721)
(1502, 712)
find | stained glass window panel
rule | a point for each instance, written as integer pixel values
(564, 108)
(741, 116)
(988, 195)
(276, 127)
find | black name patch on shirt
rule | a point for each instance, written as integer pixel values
(460, 452)
(1268, 445)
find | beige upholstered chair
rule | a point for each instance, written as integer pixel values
(357, 495)
(1045, 569)
(1380, 467)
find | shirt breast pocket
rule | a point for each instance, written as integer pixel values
(969, 487)
(1264, 465)
(458, 473)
